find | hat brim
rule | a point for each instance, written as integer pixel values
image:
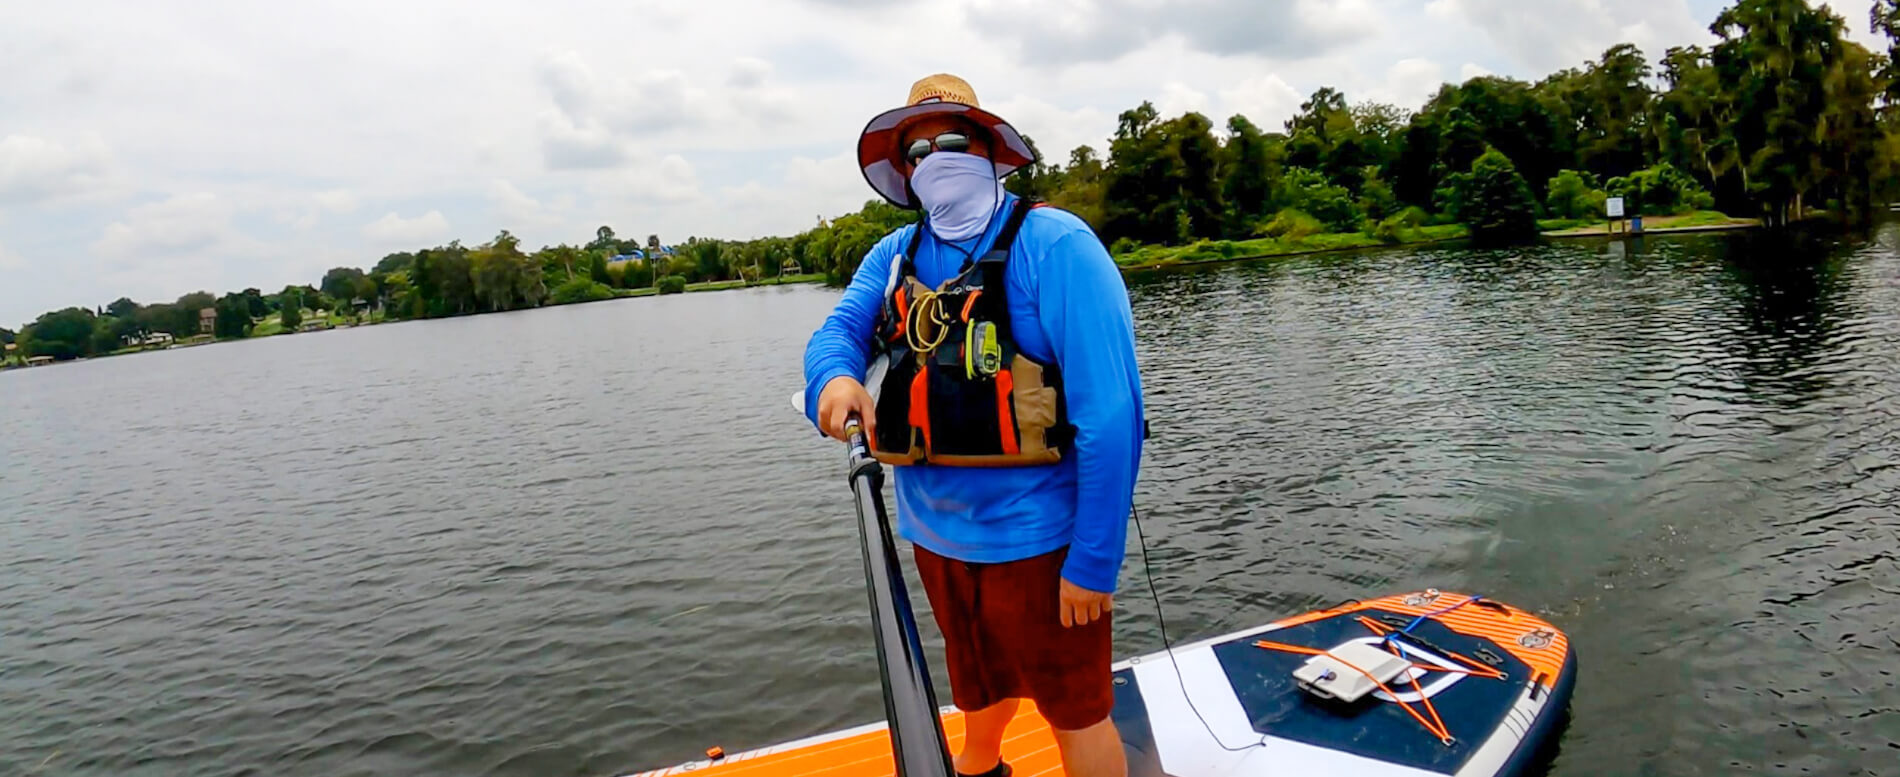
(881, 160)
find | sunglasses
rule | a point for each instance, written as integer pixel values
(948, 141)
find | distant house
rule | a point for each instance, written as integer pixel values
(153, 340)
(207, 320)
(38, 361)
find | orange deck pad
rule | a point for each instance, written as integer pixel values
(1507, 630)
(1027, 745)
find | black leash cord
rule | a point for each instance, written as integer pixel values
(1147, 569)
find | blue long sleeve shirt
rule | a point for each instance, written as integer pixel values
(1068, 307)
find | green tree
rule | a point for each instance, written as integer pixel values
(1135, 202)
(1462, 141)
(340, 283)
(105, 336)
(395, 262)
(1308, 191)
(1774, 58)
(122, 308)
(1885, 18)
(61, 334)
(1496, 202)
(234, 317)
(559, 262)
(1035, 180)
(1247, 175)
(290, 304)
(255, 304)
(597, 267)
(672, 284)
(1572, 195)
(1695, 114)
(1376, 198)
(451, 267)
(1381, 128)
(1612, 111)
(1195, 174)
(426, 297)
(579, 289)
(503, 277)
(1083, 186)
(638, 274)
(604, 241)
(162, 317)
(397, 294)
(1660, 190)
(186, 312)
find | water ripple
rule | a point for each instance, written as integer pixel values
(576, 541)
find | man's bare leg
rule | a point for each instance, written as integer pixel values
(1095, 751)
(983, 736)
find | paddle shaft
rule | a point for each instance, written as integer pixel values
(917, 741)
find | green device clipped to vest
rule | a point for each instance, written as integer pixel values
(982, 355)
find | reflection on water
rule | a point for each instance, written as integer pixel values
(590, 540)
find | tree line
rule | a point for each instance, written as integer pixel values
(1780, 117)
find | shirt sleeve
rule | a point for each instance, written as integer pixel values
(842, 344)
(1087, 318)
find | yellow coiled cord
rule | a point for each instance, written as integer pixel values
(926, 310)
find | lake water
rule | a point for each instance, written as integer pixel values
(594, 539)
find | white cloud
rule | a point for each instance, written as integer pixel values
(749, 73)
(197, 222)
(1266, 100)
(308, 210)
(1471, 70)
(335, 200)
(646, 102)
(517, 211)
(1409, 83)
(566, 145)
(1055, 130)
(1554, 34)
(809, 190)
(1177, 98)
(395, 230)
(10, 260)
(1065, 32)
(34, 168)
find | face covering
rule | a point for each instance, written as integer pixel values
(959, 191)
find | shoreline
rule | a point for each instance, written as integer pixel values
(1596, 231)
(619, 294)
(1171, 262)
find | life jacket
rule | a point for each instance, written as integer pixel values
(958, 392)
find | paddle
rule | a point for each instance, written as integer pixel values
(910, 704)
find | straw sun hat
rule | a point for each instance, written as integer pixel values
(882, 159)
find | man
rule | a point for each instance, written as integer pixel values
(1018, 537)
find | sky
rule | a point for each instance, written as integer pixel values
(153, 149)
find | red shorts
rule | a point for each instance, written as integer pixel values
(1003, 638)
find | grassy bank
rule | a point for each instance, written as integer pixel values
(1238, 250)
(1698, 220)
(1230, 250)
(723, 285)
